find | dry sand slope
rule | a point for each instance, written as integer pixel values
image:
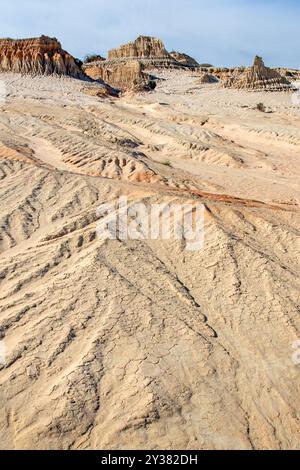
(142, 344)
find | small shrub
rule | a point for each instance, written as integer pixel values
(261, 107)
(167, 163)
(151, 85)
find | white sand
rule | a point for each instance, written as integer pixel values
(142, 344)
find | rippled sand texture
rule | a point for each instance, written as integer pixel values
(142, 344)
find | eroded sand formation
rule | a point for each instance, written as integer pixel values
(144, 47)
(258, 78)
(37, 56)
(127, 75)
(184, 59)
(142, 344)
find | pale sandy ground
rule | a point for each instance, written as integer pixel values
(142, 344)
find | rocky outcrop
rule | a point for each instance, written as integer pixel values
(126, 65)
(144, 47)
(258, 78)
(37, 56)
(224, 73)
(184, 59)
(124, 76)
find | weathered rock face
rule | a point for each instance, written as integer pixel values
(124, 76)
(184, 59)
(144, 47)
(258, 78)
(126, 65)
(37, 56)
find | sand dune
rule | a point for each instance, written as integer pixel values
(142, 344)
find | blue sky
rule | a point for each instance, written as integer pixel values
(222, 32)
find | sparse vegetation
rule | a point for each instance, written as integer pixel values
(168, 163)
(261, 107)
(152, 85)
